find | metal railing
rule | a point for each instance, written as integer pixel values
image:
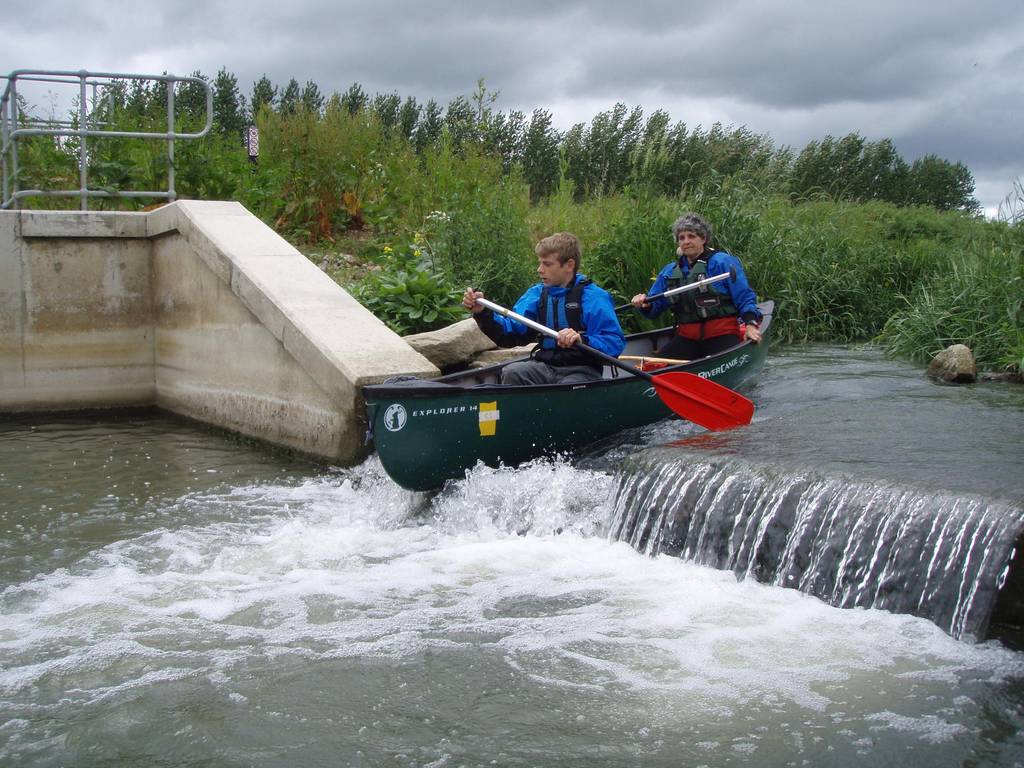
(15, 124)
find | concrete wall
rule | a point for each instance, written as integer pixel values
(196, 307)
(75, 320)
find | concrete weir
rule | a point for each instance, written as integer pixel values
(196, 307)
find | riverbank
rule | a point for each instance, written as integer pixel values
(910, 280)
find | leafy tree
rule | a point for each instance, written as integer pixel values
(854, 169)
(628, 142)
(190, 99)
(157, 104)
(387, 107)
(649, 161)
(882, 174)
(831, 166)
(941, 184)
(137, 102)
(810, 171)
(228, 105)
(460, 119)
(408, 116)
(846, 155)
(114, 96)
(263, 93)
(483, 100)
(574, 159)
(504, 135)
(600, 163)
(312, 100)
(354, 99)
(738, 151)
(540, 155)
(290, 98)
(862, 166)
(679, 167)
(428, 129)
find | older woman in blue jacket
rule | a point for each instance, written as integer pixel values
(708, 319)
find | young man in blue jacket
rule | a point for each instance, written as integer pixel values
(564, 301)
(708, 318)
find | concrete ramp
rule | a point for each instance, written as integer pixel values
(198, 308)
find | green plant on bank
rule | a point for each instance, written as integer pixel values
(407, 294)
(978, 301)
(484, 244)
(42, 165)
(590, 220)
(327, 168)
(476, 236)
(626, 260)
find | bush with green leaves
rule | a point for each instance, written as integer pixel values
(484, 243)
(329, 168)
(407, 295)
(627, 259)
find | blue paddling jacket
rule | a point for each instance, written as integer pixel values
(718, 263)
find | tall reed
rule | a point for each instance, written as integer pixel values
(911, 279)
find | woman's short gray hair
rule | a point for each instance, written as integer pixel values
(695, 223)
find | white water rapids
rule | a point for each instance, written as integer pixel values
(337, 620)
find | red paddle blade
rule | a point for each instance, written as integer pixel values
(703, 401)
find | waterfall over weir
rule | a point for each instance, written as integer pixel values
(952, 559)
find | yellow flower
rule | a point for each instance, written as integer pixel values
(387, 249)
(415, 251)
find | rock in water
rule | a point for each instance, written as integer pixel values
(954, 365)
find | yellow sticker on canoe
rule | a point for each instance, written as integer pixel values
(489, 415)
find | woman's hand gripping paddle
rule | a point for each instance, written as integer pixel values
(689, 396)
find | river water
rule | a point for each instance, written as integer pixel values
(176, 597)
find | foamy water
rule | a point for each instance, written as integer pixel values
(339, 620)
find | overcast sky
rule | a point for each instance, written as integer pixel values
(936, 76)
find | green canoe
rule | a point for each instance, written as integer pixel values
(427, 431)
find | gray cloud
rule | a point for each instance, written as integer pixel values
(940, 78)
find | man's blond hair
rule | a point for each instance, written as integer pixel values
(561, 245)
